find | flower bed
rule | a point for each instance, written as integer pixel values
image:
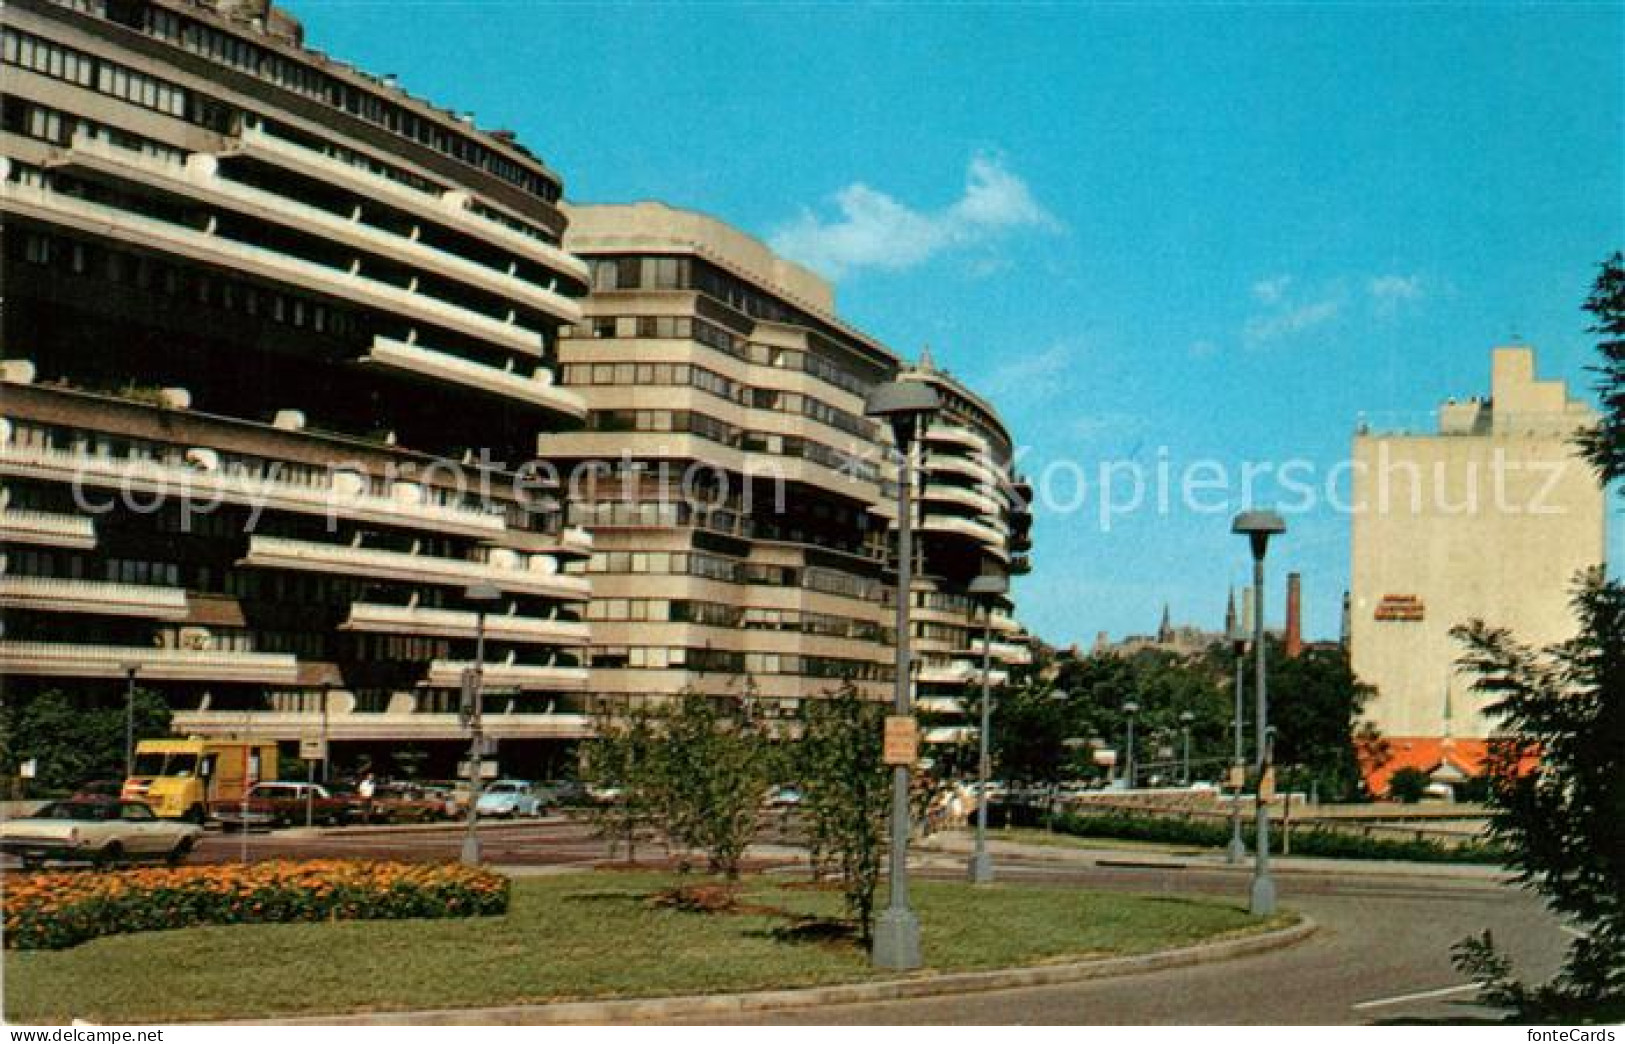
(57, 910)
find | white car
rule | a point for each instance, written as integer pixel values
(101, 831)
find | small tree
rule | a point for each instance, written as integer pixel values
(713, 762)
(846, 795)
(1409, 785)
(622, 758)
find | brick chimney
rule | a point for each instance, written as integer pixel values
(1294, 615)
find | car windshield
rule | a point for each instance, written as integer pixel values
(152, 763)
(92, 810)
(503, 788)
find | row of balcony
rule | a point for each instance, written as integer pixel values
(21, 526)
(509, 571)
(416, 725)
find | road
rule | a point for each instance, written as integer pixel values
(1381, 954)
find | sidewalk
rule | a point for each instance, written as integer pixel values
(961, 843)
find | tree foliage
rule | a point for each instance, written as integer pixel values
(73, 737)
(846, 795)
(1562, 708)
(712, 761)
(620, 763)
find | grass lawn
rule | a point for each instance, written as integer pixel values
(573, 937)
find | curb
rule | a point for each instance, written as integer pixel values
(655, 1009)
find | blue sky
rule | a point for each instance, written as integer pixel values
(1151, 232)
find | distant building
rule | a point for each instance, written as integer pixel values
(1489, 517)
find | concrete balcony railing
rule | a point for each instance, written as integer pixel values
(1008, 653)
(68, 660)
(950, 433)
(952, 524)
(943, 734)
(577, 540)
(281, 553)
(538, 391)
(448, 674)
(453, 623)
(945, 674)
(64, 595)
(198, 179)
(940, 705)
(47, 528)
(327, 499)
(981, 474)
(360, 725)
(449, 209)
(97, 219)
(951, 494)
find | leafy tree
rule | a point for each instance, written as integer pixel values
(1563, 708)
(1315, 702)
(712, 760)
(1409, 785)
(622, 758)
(74, 737)
(846, 795)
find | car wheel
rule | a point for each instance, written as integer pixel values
(178, 854)
(195, 815)
(110, 856)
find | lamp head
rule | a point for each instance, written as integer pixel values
(905, 405)
(1131, 708)
(1258, 527)
(988, 586)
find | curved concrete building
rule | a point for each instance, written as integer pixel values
(266, 314)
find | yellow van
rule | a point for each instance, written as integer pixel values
(179, 777)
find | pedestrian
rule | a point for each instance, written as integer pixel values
(366, 789)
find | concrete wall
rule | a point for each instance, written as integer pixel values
(1453, 527)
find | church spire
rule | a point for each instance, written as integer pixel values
(1165, 633)
(1230, 614)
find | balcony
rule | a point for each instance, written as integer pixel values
(417, 361)
(62, 595)
(19, 526)
(448, 674)
(948, 734)
(952, 434)
(1006, 653)
(281, 553)
(126, 226)
(952, 525)
(198, 179)
(357, 726)
(973, 499)
(68, 660)
(452, 623)
(940, 705)
(341, 496)
(979, 473)
(449, 210)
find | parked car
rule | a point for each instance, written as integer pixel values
(103, 831)
(561, 793)
(784, 797)
(507, 798)
(285, 804)
(407, 803)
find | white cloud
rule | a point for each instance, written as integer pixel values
(1389, 292)
(1273, 290)
(1035, 375)
(874, 230)
(1262, 329)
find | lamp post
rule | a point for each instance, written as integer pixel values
(907, 407)
(1131, 709)
(1185, 720)
(985, 589)
(130, 670)
(473, 698)
(1258, 527)
(1237, 851)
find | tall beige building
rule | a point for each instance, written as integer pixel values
(1490, 517)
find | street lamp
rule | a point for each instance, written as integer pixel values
(907, 407)
(1131, 709)
(986, 589)
(1238, 765)
(473, 698)
(1258, 527)
(129, 717)
(1185, 720)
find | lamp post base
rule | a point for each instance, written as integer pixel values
(1236, 852)
(1263, 899)
(471, 851)
(897, 940)
(980, 868)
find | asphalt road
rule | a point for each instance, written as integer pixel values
(1382, 953)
